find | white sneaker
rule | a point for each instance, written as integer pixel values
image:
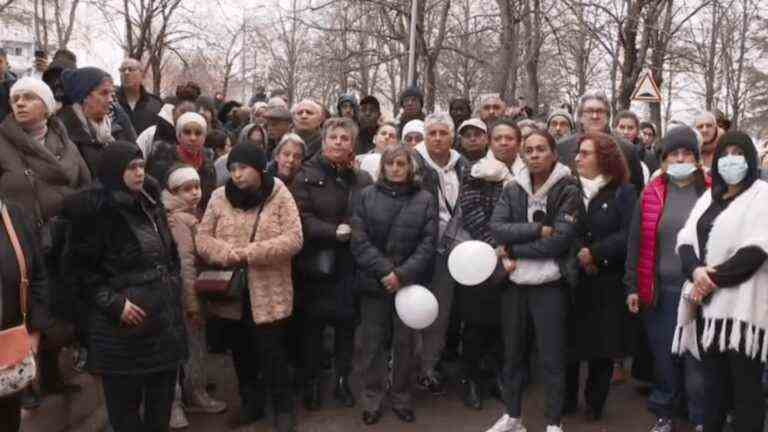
(507, 424)
(554, 428)
(178, 417)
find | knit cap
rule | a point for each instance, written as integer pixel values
(79, 83)
(248, 154)
(561, 113)
(412, 91)
(679, 137)
(413, 126)
(39, 88)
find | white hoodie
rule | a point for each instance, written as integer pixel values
(449, 184)
(537, 271)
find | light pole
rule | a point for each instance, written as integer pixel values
(412, 48)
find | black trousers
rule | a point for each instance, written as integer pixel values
(10, 413)
(542, 307)
(598, 383)
(343, 346)
(260, 360)
(124, 395)
(479, 341)
(733, 376)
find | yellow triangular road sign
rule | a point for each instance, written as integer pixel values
(647, 90)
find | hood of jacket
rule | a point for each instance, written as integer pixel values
(493, 170)
(455, 156)
(174, 204)
(523, 178)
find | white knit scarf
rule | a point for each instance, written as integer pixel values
(590, 188)
(740, 225)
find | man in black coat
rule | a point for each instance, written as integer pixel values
(141, 106)
(594, 114)
(535, 222)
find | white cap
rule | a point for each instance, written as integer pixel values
(39, 88)
(414, 126)
(182, 175)
(473, 122)
(191, 117)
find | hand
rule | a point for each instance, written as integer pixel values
(238, 256)
(591, 269)
(509, 264)
(585, 258)
(547, 231)
(343, 232)
(34, 339)
(195, 319)
(40, 64)
(633, 302)
(391, 282)
(702, 283)
(132, 314)
(501, 252)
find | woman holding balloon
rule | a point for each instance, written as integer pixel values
(394, 231)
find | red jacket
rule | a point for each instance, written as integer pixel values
(651, 208)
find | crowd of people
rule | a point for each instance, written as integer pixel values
(156, 231)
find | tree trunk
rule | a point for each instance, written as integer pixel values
(710, 66)
(533, 48)
(506, 67)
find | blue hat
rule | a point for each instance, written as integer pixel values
(79, 83)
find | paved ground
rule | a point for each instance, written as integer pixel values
(625, 412)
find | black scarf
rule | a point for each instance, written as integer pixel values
(248, 199)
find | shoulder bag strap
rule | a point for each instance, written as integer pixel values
(23, 276)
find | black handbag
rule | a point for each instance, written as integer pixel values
(222, 284)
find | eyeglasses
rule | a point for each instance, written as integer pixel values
(596, 111)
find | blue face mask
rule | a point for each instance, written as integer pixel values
(681, 171)
(732, 168)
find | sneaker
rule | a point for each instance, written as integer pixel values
(663, 425)
(202, 402)
(507, 424)
(432, 383)
(555, 428)
(699, 428)
(178, 417)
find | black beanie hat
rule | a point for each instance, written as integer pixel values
(79, 83)
(114, 161)
(412, 91)
(248, 154)
(677, 138)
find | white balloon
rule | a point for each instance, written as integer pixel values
(416, 306)
(472, 262)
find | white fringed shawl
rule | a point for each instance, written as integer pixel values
(743, 223)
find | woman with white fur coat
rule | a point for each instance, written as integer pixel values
(723, 314)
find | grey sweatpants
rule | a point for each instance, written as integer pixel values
(433, 337)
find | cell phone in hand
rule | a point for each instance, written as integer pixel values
(40, 53)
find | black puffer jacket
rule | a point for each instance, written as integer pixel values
(394, 228)
(325, 199)
(510, 225)
(122, 249)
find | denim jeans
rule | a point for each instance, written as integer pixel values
(676, 378)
